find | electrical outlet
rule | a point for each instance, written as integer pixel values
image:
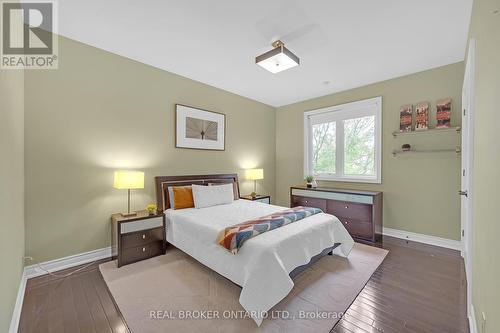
(483, 326)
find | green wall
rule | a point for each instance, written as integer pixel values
(11, 190)
(420, 190)
(100, 112)
(485, 28)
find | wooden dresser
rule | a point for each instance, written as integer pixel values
(359, 211)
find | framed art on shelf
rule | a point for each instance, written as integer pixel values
(443, 113)
(422, 116)
(405, 118)
(199, 129)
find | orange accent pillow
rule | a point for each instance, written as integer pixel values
(183, 197)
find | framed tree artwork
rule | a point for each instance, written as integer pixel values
(199, 129)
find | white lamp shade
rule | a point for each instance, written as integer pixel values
(278, 63)
(277, 60)
(128, 180)
(254, 174)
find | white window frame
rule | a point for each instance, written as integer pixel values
(339, 113)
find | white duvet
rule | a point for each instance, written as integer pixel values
(262, 265)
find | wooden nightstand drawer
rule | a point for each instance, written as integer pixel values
(140, 238)
(266, 200)
(144, 224)
(142, 252)
(259, 198)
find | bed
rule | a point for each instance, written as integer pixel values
(263, 265)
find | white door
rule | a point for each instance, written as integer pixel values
(466, 191)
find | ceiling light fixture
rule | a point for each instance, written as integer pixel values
(278, 59)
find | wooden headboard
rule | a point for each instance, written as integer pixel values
(163, 182)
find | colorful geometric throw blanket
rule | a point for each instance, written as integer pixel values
(233, 237)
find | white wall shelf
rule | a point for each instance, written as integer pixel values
(426, 151)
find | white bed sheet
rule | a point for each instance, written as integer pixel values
(262, 265)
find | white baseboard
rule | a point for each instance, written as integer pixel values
(52, 266)
(421, 238)
(472, 320)
(67, 262)
(16, 314)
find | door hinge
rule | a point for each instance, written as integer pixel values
(464, 112)
(463, 233)
(463, 172)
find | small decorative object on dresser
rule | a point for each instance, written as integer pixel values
(359, 211)
(199, 129)
(259, 197)
(443, 113)
(405, 118)
(137, 238)
(422, 118)
(310, 182)
(406, 147)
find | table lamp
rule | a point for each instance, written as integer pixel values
(128, 180)
(254, 174)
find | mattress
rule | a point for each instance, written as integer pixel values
(262, 265)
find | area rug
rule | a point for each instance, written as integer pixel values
(175, 293)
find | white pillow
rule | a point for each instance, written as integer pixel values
(207, 196)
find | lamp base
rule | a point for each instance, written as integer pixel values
(129, 214)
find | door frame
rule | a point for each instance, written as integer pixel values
(467, 233)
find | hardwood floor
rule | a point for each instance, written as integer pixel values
(78, 303)
(418, 288)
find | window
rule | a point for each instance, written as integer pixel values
(343, 142)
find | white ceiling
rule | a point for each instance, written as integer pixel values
(348, 43)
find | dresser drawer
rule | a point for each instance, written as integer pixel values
(308, 202)
(357, 228)
(140, 238)
(138, 253)
(349, 210)
(367, 199)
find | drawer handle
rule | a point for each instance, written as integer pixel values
(346, 207)
(143, 236)
(143, 249)
(346, 222)
(307, 201)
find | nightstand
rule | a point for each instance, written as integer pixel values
(260, 198)
(138, 237)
